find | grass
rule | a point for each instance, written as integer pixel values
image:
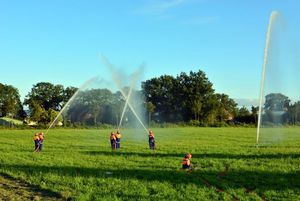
(79, 165)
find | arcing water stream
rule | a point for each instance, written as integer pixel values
(119, 85)
(70, 101)
(273, 17)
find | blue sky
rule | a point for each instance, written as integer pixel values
(59, 41)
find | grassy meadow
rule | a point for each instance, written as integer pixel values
(79, 165)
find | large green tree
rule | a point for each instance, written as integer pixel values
(276, 108)
(162, 93)
(37, 113)
(10, 104)
(67, 94)
(227, 107)
(276, 102)
(92, 106)
(47, 95)
(195, 92)
(46, 99)
(294, 113)
(187, 97)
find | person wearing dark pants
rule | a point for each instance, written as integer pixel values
(112, 140)
(41, 136)
(36, 140)
(151, 140)
(186, 163)
(118, 139)
(152, 143)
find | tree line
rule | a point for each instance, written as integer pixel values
(186, 98)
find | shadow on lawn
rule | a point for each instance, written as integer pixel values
(197, 155)
(262, 180)
(21, 190)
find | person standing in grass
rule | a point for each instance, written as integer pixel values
(151, 140)
(186, 162)
(36, 140)
(41, 136)
(113, 140)
(118, 139)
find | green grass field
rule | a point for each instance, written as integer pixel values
(79, 165)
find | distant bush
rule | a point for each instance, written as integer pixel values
(194, 123)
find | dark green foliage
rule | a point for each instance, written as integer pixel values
(46, 95)
(244, 115)
(163, 94)
(45, 100)
(276, 107)
(279, 110)
(276, 102)
(90, 105)
(187, 97)
(294, 113)
(10, 104)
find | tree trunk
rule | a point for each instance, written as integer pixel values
(95, 120)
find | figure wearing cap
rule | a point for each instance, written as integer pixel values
(151, 140)
(118, 139)
(36, 140)
(41, 136)
(112, 138)
(186, 163)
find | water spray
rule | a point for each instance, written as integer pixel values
(273, 17)
(84, 85)
(125, 106)
(114, 77)
(133, 81)
(135, 114)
